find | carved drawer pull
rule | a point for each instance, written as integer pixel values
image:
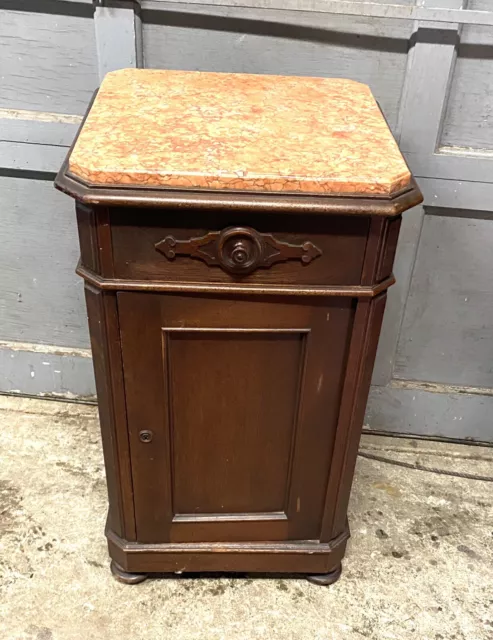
(238, 250)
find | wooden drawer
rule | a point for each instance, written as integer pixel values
(176, 246)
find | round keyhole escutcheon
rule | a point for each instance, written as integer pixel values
(145, 435)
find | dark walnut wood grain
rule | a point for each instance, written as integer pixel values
(108, 370)
(233, 354)
(238, 250)
(334, 254)
(239, 395)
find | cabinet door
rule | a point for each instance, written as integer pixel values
(232, 409)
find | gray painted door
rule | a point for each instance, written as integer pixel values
(433, 78)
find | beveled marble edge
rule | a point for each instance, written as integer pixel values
(231, 183)
(130, 196)
(232, 192)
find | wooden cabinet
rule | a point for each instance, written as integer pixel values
(233, 337)
(231, 411)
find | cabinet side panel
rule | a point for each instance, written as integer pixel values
(364, 341)
(388, 253)
(147, 406)
(105, 343)
(373, 250)
(105, 242)
(88, 240)
(327, 353)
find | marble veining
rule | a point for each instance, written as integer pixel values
(196, 130)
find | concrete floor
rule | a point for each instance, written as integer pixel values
(419, 564)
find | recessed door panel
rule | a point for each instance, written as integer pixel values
(222, 408)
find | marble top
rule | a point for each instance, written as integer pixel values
(196, 130)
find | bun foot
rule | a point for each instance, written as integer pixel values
(326, 579)
(127, 578)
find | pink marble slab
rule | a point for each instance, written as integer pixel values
(196, 130)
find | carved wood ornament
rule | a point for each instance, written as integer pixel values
(238, 250)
